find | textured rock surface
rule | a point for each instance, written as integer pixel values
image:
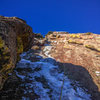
(15, 37)
(74, 54)
(40, 78)
(77, 54)
(82, 50)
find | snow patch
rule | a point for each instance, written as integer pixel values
(47, 50)
(97, 73)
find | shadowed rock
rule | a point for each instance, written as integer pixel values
(15, 37)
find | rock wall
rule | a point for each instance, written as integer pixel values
(15, 37)
(83, 51)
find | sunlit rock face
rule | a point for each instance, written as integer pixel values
(82, 50)
(15, 37)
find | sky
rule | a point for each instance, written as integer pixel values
(74, 16)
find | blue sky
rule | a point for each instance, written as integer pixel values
(55, 15)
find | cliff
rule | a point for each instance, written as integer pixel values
(15, 37)
(41, 70)
(81, 49)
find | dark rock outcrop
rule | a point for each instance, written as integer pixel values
(15, 37)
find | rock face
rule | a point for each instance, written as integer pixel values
(83, 51)
(40, 78)
(66, 62)
(15, 37)
(77, 55)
